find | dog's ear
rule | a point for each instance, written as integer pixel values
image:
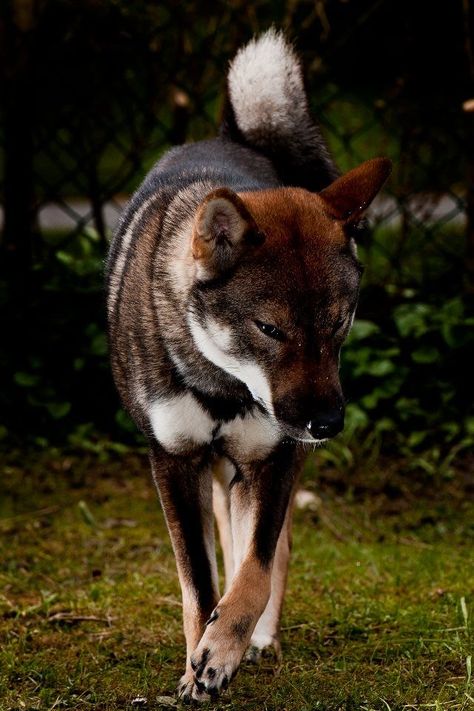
(223, 230)
(351, 194)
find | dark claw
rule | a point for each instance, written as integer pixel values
(211, 673)
(199, 668)
(184, 696)
(213, 617)
(225, 683)
(200, 686)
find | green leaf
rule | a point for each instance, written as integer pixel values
(425, 354)
(124, 421)
(362, 329)
(416, 438)
(456, 334)
(380, 367)
(41, 442)
(26, 380)
(453, 310)
(451, 429)
(408, 407)
(412, 319)
(469, 425)
(355, 417)
(65, 258)
(99, 345)
(79, 363)
(86, 514)
(58, 409)
(465, 614)
(384, 425)
(370, 400)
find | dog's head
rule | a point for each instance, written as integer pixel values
(275, 290)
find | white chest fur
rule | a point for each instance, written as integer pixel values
(180, 422)
(249, 437)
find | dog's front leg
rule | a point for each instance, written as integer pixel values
(260, 496)
(185, 487)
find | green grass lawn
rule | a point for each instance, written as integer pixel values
(378, 613)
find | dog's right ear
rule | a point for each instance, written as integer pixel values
(349, 196)
(223, 230)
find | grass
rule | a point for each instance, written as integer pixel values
(378, 613)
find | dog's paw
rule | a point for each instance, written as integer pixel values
(264, 648)
(215, 665)
(190, 690)
(217, 657)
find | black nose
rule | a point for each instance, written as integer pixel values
(326, 424)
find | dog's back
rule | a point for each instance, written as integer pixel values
(232, 283)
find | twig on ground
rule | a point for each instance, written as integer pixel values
(71, 618)
(30, 514)
(415, 542)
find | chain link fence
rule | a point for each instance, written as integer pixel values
(96, 99)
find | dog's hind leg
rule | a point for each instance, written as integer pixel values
(223, 475)
(266, 635)
(185, 487)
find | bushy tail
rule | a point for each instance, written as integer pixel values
(267, 109)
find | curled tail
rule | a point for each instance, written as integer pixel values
(267, 109)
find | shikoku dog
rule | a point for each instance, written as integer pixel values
(232, 283)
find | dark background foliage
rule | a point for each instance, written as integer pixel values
(95, 92)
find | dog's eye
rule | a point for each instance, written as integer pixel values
(270, 330)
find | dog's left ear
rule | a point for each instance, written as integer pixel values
(223, 230)
(350, 195)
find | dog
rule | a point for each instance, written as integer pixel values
(232, 283)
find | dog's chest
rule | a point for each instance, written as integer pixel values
(181, 423)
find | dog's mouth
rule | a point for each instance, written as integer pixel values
(317, 431)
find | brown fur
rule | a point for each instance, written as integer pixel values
(229, 298)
